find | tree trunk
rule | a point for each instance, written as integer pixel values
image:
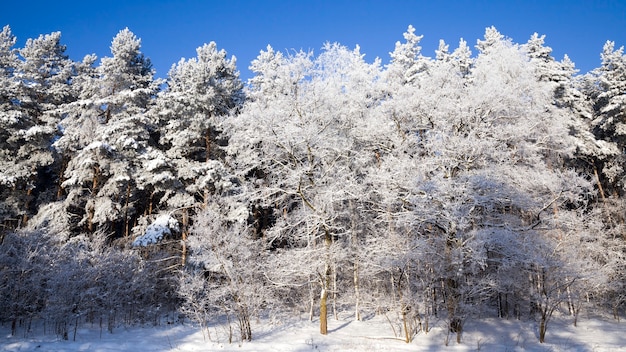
(357, 298)
(29, 194)
(503, 305)
(90, 214)
(453, 300)
(335, 292)
(595, 172)
(61, 178)
(435, 311)
(207, 157)
(355, 264)
(312, 305)
(244, 323)
(407, 335)
(126, 204)
(94, 187)
(207, 144)
(183, 258)
(151, 203)
(506, 305)
(323, 312)
(542, 328)
(325, 282)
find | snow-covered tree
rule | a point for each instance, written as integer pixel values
(187, 166)
(38, 85)
(201, 92)
(9, 119)
(609, 112)
(610, 100)
(24, 261)
(83, 280)
(569, 101)
(269, 74)
(605, 87)
(407, 61)
(100, 180)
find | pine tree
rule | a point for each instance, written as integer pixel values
(201, 93)
(10, 116)
(605, 87)
(112, 131)
(40, 84)
(610, 112)
(406, 59)
(188, 167)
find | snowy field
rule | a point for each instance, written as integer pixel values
(375, 334)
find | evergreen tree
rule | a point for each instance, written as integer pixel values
(187, 168)
(610, 112)
(100, 180)
(40, 85)
(201, 93)
(605, 87)
(9, 119)
(406, 59)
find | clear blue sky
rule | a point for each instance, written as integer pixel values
(173, 29)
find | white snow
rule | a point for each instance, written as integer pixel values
(156, 163)
(98, 145)
(161, 226)
(372, 334)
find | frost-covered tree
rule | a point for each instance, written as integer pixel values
(407, 61)
(569, 101)
(200, 91)
(304, 144)
(24, 261)
(611, 84)
(125, 90)
(46, 72)
(78, 126)
(46, 75)
(226, 271)
(84, 280)
(268, 81)
(486, 145)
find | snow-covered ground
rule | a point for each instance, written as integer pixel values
(375, 334)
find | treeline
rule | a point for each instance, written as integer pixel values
(468, 184)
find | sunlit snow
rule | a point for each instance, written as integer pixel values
(375, 333)
(162, 226)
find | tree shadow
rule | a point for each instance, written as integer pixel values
(339, 327)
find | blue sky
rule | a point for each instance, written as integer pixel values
(173, 29)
